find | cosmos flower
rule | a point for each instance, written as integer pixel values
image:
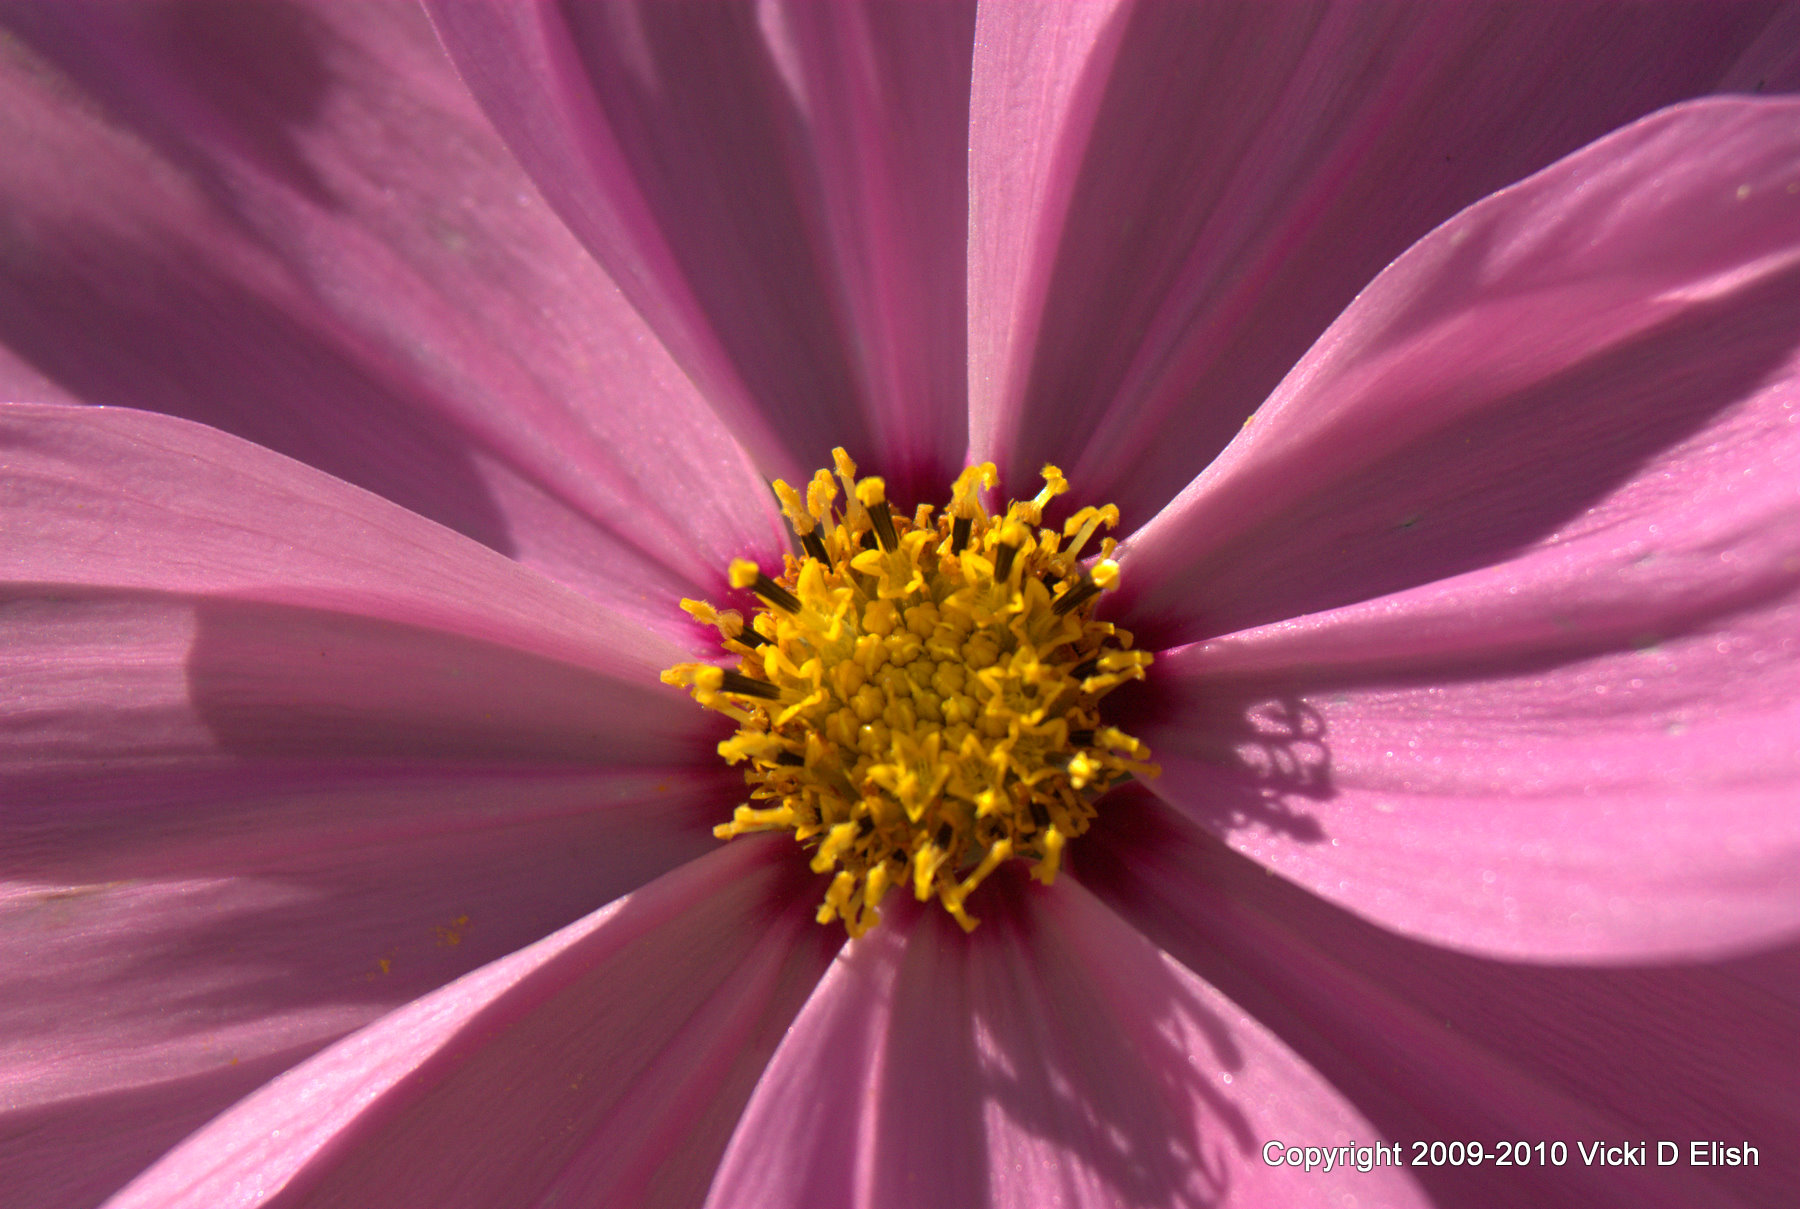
(347, 828)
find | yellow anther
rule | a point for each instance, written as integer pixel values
(700, 611)
(837, 898)
(1054, 485)
(746, 819)
(965, 499)
(821, 493)
(1045, 869)
(1083, 524)
(854, 515)
(875, 887)
(918, 701)
(794, 508)
(839, 838)
(955, 897)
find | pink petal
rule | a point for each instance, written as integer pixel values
(781, 191)
(602, 1065)
(170, 941)
(1051, 1058)
(225, 667)
(1589, 749)
(175, 591)
(1583, 741)
(1038, 76)
(1435, 1045)
(1170, 202)
(1562, 348)
(290, 221)
(71, 1155)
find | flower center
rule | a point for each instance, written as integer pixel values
(917, 699)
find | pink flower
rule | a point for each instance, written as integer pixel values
(331, 740)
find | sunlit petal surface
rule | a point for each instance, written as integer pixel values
(377, 379)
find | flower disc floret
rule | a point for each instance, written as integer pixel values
(917, 697)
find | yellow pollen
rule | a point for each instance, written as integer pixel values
(917, 699)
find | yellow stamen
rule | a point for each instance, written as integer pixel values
(918, 700)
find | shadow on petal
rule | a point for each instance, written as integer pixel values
(1245, 755)
(703, 116)
(1109, 1060)
(130, 332)
(48, 1151)
(255, 77)
(1433, 1044)
(610, 1073)
(165, 930)
(1250, 169)
(1049, 1057)
(1492, 482)
(264, 71)
(274, 679)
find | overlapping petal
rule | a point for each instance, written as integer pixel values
(1550, 352)
(1484, 630)
(1556, 445)
(1434, 1045)
(604, 1064)
(276, 757)
(1612, 789)
(168, 942)
(1586, 749)
(1170, 201)
(1053, 1057)
(780, 189)
(111, 505)
(290, 221)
